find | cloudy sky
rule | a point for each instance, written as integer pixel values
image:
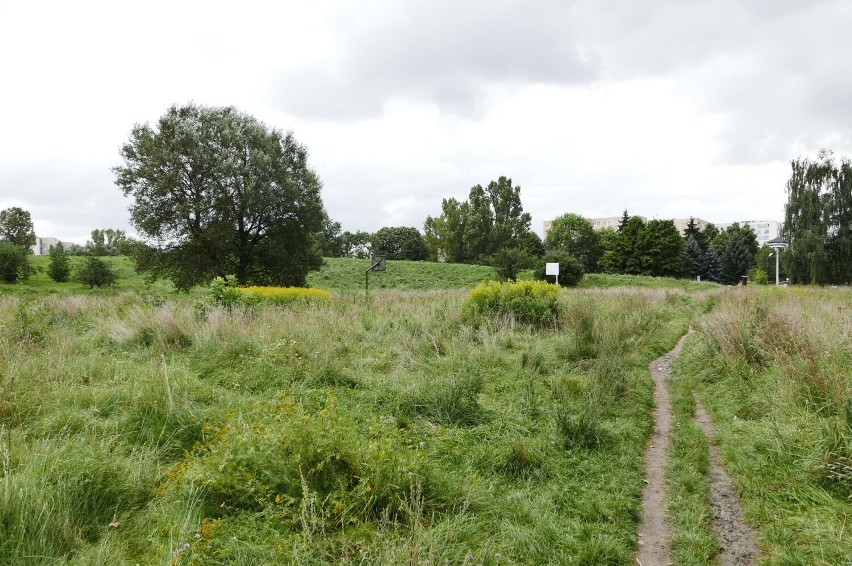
(666, 108)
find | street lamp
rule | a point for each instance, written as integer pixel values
(778, 244)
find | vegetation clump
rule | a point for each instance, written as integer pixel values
(524, 302)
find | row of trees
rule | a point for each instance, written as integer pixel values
(656, 248)
(215, 192)
(398, 242)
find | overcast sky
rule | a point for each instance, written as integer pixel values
(665, 108)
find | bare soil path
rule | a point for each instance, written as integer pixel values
(737, 541)
(654, 531)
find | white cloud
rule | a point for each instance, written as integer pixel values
(666, 109)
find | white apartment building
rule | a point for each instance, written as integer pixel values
(765, 230)
(43, 245)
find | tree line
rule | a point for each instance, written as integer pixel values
(215, 192)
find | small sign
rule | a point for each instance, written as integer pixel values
(551, 269)
(379, 264)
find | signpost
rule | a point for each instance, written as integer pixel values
(552, 269)
(378, 263)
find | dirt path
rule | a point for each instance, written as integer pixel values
(737, 541)
(654, 531)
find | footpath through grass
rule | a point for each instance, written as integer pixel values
(395, 431)
(772, 366)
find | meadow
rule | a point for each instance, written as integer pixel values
(407, 428)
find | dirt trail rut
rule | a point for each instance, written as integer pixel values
(654, 531)
(736, 539)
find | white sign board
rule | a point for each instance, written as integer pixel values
(551, 269)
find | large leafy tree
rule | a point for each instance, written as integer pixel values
(400, 242)
(818, 221)
(215, 192)
(16, 227)
(492, 218)
(576, 236)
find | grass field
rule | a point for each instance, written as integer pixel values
(350, 432)
(136, 428)
(773, 368)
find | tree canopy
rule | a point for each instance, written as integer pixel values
(215, 192)
(400, 242)
(575, 236)
(16, 227)
(473, 231)
(818, 221)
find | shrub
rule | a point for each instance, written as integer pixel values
(96, 273)
(508, 262)
(13, 262)
(758, 276)
(525, 302)
(60, 266)
(284, 295)
(570, 268)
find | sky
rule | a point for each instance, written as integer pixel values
(666, 108)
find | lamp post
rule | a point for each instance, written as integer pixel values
(778, 244)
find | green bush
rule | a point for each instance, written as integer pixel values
(13, 262)
(96, 273)
(570, 268)
(60, 265)
(524, 302)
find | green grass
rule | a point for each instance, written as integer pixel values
(772, 367)
(344, 275)
(338, 432)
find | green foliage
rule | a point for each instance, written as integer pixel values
(13, 262)
(574, 235)
(16, 227)
(736, 247)
(660, 248)
(508, 262)
(818, 221)
(95, 272)
(757, 276)
(474, 230)
(205, 213)
(710, 268)
(692, 258)
(109, 242)
(400, 243)
(625, 257)
(524, 302)
(570, 268)
(60, 265)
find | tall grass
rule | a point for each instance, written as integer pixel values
(772, 366)
(385, 432)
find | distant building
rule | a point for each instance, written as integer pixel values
(43, 245)
(765, 230)
(681, 223)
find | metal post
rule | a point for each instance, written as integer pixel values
(777, 273)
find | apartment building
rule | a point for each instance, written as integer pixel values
(765, 230)
(43, 245)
